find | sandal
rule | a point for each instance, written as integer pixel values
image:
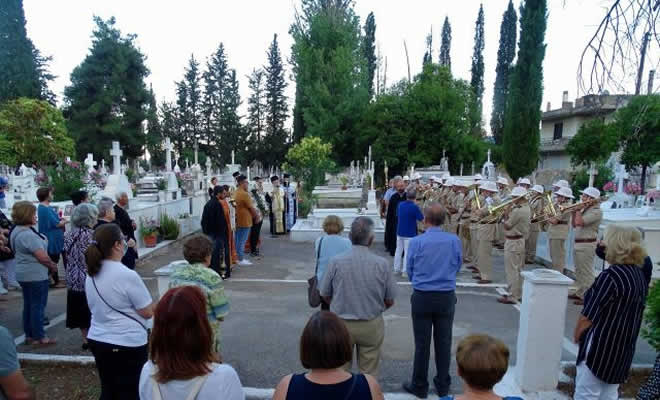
(506, 300)
(45, 342)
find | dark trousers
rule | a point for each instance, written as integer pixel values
(35, 298)
(432, 316)
(254, 237)
(56, 260)
(220, 251)
(119, 369)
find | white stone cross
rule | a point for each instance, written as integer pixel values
(592, 173)
(620, 175)
(89, 162)
(196, 150)
(208, 165)
(68, 159)
(369, 155)
(168, 154)
(116, 154)
(233, 158)
(461, 169)
(488, 155)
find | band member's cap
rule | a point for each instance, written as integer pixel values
(537, 189)
(591, 192)
(489, 185)
(518, 191)
(565, 192)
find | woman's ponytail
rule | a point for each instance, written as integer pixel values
(105, 237)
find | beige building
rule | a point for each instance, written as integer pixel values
(560, 125)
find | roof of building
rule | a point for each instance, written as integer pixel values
(588, 105)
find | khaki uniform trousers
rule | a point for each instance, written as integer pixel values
(557, 254)
(584, 266)
(474, 244)
(484, 254)
(464, 233)
(530, 246)
(514, 262)
(367, 338)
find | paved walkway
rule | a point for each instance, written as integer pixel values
(269, 309)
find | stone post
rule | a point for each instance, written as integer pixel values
(541, 329)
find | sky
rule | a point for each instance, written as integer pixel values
(168, 32)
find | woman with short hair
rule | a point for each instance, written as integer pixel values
(76, 242)
(106, 209)
(197, 251)
(121, 308)
(183, 363)
(613, 304)
(325, 349)
(328, 246)
(482, 362)
(32, 266)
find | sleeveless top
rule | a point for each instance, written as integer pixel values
(354, 388)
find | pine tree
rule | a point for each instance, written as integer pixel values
(107, 98)
(276, 107)
(428, 55)
(523, 111)
(233, 135)
(154, 138)
(477, 81)
(23, 70)
(445, 46)
(369, 50)
(193, 108)
(215, 80)
(505, 56)
(256, 119)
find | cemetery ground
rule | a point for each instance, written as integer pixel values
(268, 312)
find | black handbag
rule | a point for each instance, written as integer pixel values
(313, 294)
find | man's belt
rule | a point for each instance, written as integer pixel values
(468, 217)
(514, 237)
(562, 223)
(453, 212)
(585, 240)
(487, 223)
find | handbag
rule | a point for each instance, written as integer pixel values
(313, 294)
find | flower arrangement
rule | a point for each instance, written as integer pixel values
(632, 188)
(609, 187)
(96, 178)
(65, 179)
(148, 226)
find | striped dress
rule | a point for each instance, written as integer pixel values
(615, 305)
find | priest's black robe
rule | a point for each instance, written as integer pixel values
(391, 221)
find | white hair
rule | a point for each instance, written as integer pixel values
(119, 195)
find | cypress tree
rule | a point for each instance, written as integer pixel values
(154, 132)
(477, 81)
(505, 56)
(107, 97)
(276, 106)
(445, 46)
(523, 111)
(23, 70)
(193, 108)
(233, 135)
(215, 80)
(428, 55)
(256, 119)
(369, 50)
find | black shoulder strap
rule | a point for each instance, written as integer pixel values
(114, 309)
(318, 256)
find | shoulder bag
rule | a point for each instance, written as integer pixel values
(196, 387)
(313, 294)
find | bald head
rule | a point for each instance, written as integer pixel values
(434, 214)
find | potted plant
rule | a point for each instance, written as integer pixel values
(344, 182)
(169, 227)
(149, 231)
(161, 185)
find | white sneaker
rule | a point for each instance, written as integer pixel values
(244, 262)
(3, 290)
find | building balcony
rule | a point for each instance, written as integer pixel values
(553, 146)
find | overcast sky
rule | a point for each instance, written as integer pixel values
(170, 31)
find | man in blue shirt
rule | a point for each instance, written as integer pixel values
(408, 213)
(51, 226)
(434, 258)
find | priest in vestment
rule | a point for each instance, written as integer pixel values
(277, 208)
(391, 221)
(228, 210)
(291, 200)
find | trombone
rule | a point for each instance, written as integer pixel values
(497, 212)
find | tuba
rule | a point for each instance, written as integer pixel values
(549, 210)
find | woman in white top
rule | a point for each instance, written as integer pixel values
(182, 365)
(121, 308)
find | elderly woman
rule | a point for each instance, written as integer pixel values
(107, 215)
(76, 242)
(328, 246)
(32, 266)
(197, 251)
(614, 304)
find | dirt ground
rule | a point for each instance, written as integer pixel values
(63, 381)
(626, 391)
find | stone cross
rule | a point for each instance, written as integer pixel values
(373, 169)
(386, 170)
(461, 169)
(488, 155)
(89, 162)
(592, 173)
(472, 168)
(620, 175)
(369, 156)
(233, 159)
(187, 164)
(68, 159)
(443, 153)
(208, 165)
(248, 174)
(116, 154)
(196, 150)
(168, 154)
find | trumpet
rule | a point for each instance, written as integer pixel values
(476, 203)
(580, 206)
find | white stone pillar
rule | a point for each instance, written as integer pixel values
(541, 329)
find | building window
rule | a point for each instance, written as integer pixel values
(559, 129)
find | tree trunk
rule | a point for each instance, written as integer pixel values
(643, 179)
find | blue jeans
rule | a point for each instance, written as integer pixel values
(35, 297)
(242, 235)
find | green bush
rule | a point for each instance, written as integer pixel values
(581, 178)
(306, 204)
(651, 325)
(169, 227)
(66, 178)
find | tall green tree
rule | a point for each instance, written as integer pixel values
(23, 70)
(276, 139)
(256, 118)
(330, 74)
(192, 113)
(594, 142)
(477, 80)
(505, 55)
(215, 80)
(523, 112)
(232, 135)
(445, 45)
(638, 127)
(154, 132)
(369, 50)
(428, 54)
(107, 98)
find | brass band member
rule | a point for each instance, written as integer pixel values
(464, 223)
(504, 194)
(516, 224)
(474, 224)
(486, 234)
(536, 206)
(585, 224)
(558, 230)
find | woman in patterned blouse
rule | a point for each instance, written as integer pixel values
(197, 251)
(76, 241)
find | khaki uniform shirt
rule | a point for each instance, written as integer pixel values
(519, 219)
(560, 231)
(536, 208)
(592, 217)
(487, 231)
